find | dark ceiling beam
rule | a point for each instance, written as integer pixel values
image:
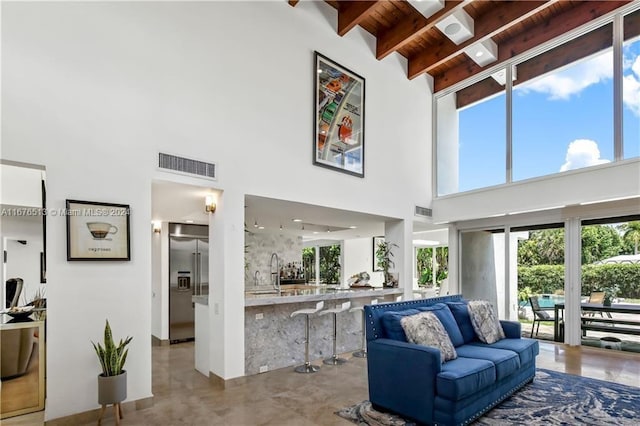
(499, 19)
(632, 25)
(574, 50)
(550, 29)
(293, 2)
(352, 13)
(411, 27)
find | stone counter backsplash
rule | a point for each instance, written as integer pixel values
(259, 250)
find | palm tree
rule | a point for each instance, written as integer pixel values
(632, 233)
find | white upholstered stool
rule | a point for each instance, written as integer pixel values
(334, 360)
(362, 353)
(307, 367)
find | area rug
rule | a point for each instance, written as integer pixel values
(552, 399)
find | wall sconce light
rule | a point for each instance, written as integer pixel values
(157, 226)
(209, 204)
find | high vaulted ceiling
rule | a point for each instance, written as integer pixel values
(514, 26)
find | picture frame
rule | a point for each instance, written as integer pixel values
(97, 231)
(338, 116)
(376, 242)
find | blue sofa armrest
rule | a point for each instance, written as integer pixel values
(512, 329)
(402, 377)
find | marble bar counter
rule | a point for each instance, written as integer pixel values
(309, 293)
(275, 340)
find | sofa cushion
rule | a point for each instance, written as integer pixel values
(392, 326)
(462, 377)
(506, 361)
(527, 349)
(426, 329)
(485, 321)
(461, 314)
(449, 323)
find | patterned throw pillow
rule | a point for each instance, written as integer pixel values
(485, 321)
(426, 329)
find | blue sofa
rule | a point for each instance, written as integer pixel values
(410, 380)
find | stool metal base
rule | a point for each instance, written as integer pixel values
(360, 354)
(334, 360)
(306, 368)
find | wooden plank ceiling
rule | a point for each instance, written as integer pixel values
(515, 27)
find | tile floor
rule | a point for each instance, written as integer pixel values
(185, 397)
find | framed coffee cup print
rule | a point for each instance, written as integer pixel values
(97, 231)
(339, 117)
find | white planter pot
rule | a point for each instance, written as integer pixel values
(112, 389)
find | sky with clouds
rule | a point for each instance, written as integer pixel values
(561, 121)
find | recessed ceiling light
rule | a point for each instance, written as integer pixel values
(352, 227)
(188, 221)
(427, 7)
(260, 227)
(315, 232)
(458, 26)
(452, 28)
(483, 53)
(501, 76)
(297, 220)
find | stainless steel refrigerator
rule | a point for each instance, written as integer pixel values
(188, 276)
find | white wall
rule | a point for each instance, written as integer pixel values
(598, 183)
(93, 90)
(358, 257)
(21, 186)
(478, 277)
(448, 145)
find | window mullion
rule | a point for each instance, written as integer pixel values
(509, 126)
(618, 39)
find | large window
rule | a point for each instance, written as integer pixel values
(563, 107)
(610, 272)
(321, 263)
(631, 85)
(564, 113)
(471, 138)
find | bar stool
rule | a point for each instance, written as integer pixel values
(362, 353)
(334, 360)
(307, 367)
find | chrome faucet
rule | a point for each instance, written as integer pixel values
(256, 278)
(275, 282)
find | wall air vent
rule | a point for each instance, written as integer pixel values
(174, 163)
(423, 211)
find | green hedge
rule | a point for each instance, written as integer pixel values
(548, 278)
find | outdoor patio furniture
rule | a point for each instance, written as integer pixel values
(596, 298)
(539, 314)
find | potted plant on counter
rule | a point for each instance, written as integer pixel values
(112, 382)
(384, 253)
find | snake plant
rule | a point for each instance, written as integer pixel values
(112, 357)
